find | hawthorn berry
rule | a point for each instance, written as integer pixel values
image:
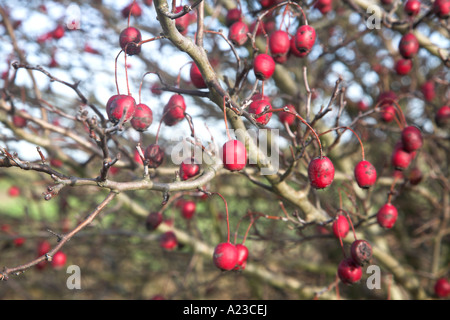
(233, 15)
(279, 44)
(349, 271)
(403, 66)
(442, 288)
(168, 240)
(19, 121)
(129, 39)
(286, 117)
(258, 107)
(59, 260)
(400, 158)
(415, 176)
(238, 33)
(442, 116)
(182, 23)
(361, 252)
(387, 113)
(387, 216)
(189, 168)
(412, 7)
(225, 256)
(153, 220)
(428, 91)
(142, 118)
(320, 172)
(305, 38)
(234, 155)
(340, 226)
(242, 256)
(174, 110)
(14, 191)
(365, 174)
(133, 8)
(121, 106)
(154, 155)
(263, 66)
(408, 46)
(442, 8)
(196, 77)
(411, 138)
(324, 6)
(188, 209)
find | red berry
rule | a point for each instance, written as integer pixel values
(362, 106)
(142, 118)
(19, 241)
(19, 121)
(442, 288)
(387, 216)
(266, 3)
(279, 44)
(14, 191)
(154, 156)
(403, 66)
(238, 33)
(442, 117)
(320, 172)
(129, 39)
(155, 89)
(259, 106)
(400, 158)
(365, 174)
(415, 176)
(242, 257)
(121, 106)
(59, 260)
(305, 38)
(168, 240)
(182, 23)
(428, 91)
(133, 8)
(349, 271)
(188, 209)
(361, 252)
(411, 138)
(153, 220)
(189, 168)
(387, 113)
(442, 8)
(58, 33)
(412, 7)
(233, 15)
(286, 117)
(174, 110)
(293, 49)
(340, 226)
(43, 247)
(263, 66)
(324, 6)
(196, 77)
(234, 155)
(225, 256)
(408, 46)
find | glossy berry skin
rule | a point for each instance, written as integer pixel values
(442, 8)
(442, 288)
(133, 8)
(286, 117)
(263, 66)
(233, 15)
(279, 44)
(408, 46)
(128, 40)
(412, 7)
(403, 66)
(196, 77)
(411, 138)
(168, 240)
(387, 113)
(174, 110)
(340, 226)
(400, 158)
(234, 155)
(387, 216)
(442, 116)
(294, 51)
(257, 107)
(305, 38)
(189, 168)
(365, 174)
(142, 118)
(59, 260)
(242, 257)
(225, 256)
(428, 91)
(153, 220)
(361, 252)
(154, 156)
(188, 209)
(238, 33)
(121, 106)
(320, 172)
(349, 271)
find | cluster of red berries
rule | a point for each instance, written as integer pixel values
(58, 260)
